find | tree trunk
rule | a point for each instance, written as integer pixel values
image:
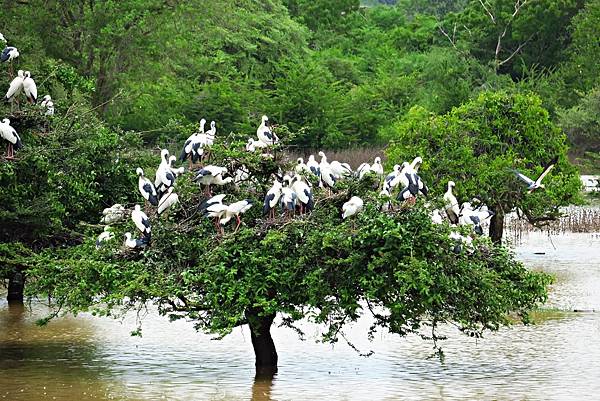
(16, 285)
(497, 227)
(262, 342)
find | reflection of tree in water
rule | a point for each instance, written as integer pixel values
(59, 360)
(263, 383)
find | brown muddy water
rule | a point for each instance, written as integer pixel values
(88, 358)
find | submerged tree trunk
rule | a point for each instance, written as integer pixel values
(16, 286)
(262, 342)
(497, 227)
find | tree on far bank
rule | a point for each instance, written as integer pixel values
(479, 144)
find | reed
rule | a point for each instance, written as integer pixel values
(575, 219)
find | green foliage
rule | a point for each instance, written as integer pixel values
(580, 73)
(582, 121)
(478, 144)
(322, 14)
(62, 176)
(340, 71)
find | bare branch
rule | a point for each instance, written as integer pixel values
(488, 11)
(535, 220)
(518, 5)
(447, 36)
(518, 49)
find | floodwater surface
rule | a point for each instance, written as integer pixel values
(89, 358)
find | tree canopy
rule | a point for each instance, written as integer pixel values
(398, 267)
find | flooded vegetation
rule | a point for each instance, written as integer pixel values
(87, 358)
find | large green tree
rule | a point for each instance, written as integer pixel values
(397, 267)
(479, 144)
(582, 122)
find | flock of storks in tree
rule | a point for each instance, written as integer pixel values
(21, 83)
(290, 193)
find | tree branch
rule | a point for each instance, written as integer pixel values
(533, 220)
(516, 51)
(488, 11)
(452, 42)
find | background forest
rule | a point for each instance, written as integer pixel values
(346, 71)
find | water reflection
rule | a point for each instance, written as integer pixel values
(59, 361)
(91, 358)
(263, 383)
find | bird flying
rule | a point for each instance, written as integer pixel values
(531, 184)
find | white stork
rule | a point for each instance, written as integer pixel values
(352, 207)
(252, 145)
(215, 200)
(411, 182)
(386, 204)
(264, 132)
(212, 175)
(45, 100)
(136, 243)
(187, 151)
(300, 167)
(451, 204)
(169, 199)
(234, 210)
(376, 167)
(8, 133)
(30, 88)
(436, 217)
(175, 171)
(146, 188)
(459, 241)
(390, 178)
(313, 166)
(164, 176)
(104, 236)
(470, 217)
(209, 136)
(272, 198)
(9, 54)
(216, 210)
(48, 105)
(141, 221)
(303, 194)
(113, 214)
(363, 169)
(531, 184)
(197, 145)
(288, 197)
(340, 170)
(241, 174)
(328, 178)
(16, 86)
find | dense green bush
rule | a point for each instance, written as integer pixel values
(478, 144)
